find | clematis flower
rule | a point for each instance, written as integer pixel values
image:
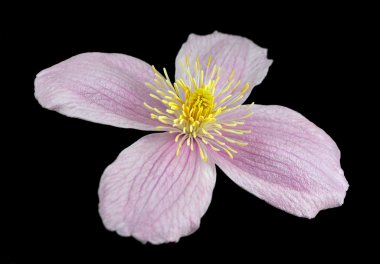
(158, 189)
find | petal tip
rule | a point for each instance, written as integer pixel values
(332, 201)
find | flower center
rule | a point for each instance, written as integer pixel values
(194, 110)
(197, 111)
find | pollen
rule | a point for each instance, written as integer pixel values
(195, 108)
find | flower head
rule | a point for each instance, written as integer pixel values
(158, 189)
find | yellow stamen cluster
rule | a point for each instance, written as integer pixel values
(193, 108)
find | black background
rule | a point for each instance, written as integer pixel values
(54, 163)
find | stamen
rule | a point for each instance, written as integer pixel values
(192, 108)
(180, 145)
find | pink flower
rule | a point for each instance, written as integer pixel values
(158, 189)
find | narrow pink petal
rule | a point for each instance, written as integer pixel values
(289, 162)
(153, 195)
(99, 87)
(230, 53)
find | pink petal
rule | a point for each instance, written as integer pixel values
(153, 195)
(289, 162)
(99, 87)
(230, 53)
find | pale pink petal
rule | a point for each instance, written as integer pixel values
(153, 195)
(289, 162)
(99, 87)
(230, 53)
